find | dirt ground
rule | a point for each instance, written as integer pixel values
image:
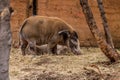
(92, 64)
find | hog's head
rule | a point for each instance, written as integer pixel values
(71, 39)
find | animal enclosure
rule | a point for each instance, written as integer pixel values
(71, 12)
(90, 64)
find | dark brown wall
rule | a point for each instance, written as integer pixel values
(70, 11)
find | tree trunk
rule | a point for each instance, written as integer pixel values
(5, 40)
(105, 24)
(3, 4)
(107, 49)
(29, 9)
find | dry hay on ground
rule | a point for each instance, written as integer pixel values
(91, 65)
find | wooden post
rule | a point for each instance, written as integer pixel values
(105, 24)
(106, 49)
(31, 8)
(5, 39)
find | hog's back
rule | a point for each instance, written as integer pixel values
(42, 29)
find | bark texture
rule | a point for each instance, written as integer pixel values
(105, 24)
(5, 41)
(29, 9)
(3, 4)
(106, 49)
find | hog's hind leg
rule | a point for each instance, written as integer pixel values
(23, 46)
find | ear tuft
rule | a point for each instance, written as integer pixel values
(75, 34)
(65, 34)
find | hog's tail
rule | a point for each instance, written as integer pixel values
(20, 32)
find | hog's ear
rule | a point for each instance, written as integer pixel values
(65, 34)
(75, 34)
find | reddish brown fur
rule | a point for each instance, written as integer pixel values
(43, 30)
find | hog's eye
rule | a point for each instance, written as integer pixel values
(73, 44)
